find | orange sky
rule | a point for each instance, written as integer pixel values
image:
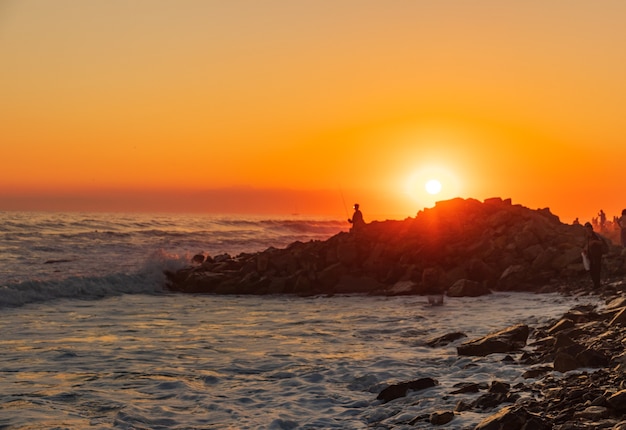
(281, 106)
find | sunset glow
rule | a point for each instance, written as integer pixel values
(281, 107)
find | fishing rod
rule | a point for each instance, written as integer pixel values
(345, 207)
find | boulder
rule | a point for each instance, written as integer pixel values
(440, 418)
(396, 391)
(513, 418)
(564, 362)
(618, 400)
(508, 340)
(445, 339)
(467, 288)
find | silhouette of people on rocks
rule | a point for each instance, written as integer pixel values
(576, 222)
(593, 249)
(622, 225)
(357, 219)
(602, 216)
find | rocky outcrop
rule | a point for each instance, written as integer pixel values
(462, 246)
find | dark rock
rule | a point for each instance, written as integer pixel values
(619, 319)
(198, 259)
(507, 340)
(562, 324)
(499, 387)
(445, 339)
(618, 400)
(564, 362)
(467, 288)
(469, 387)
(400, 390)
(536, 372)
(513, 418)
(593, 413)
(592, 358)
(440, 418)
(491, 400)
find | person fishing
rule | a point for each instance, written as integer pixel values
(357, 219)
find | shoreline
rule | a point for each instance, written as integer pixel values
(574, 364)
(468, 248)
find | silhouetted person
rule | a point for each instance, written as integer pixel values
(576, 222)
(622, 225)
(602, 216)
(593, 249)
(357, 219)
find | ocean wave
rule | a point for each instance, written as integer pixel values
(148, 280)
(45, 254)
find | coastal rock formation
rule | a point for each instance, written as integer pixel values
(461, 246)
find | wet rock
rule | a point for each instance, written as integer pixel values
(445, 339)
(513, 418)
(507, 340)
(593, 413)
(469, 387)
(467, 288)
(619, 318)
(618, 400)
(562, 324)
(499, 387)
(198, 259)
(491, 400)
(440, 418)
(400, 390)
(564, 362)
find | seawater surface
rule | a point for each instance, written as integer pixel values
(93, 340)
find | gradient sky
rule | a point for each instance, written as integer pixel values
(281, 106)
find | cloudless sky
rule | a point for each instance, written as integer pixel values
(281, 106)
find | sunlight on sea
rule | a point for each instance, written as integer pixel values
(214, 362)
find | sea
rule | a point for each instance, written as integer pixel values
(91, 337)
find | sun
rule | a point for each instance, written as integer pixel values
(433, 186)
(430, 183)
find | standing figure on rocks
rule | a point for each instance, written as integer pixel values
(602, 216)
(622, 225)
(593, 249)
(357, 219)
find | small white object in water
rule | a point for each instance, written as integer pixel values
(435, 300)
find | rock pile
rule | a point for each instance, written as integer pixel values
(575, 367)
(461, 247)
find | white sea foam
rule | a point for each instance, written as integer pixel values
(44, 256)
(182, 361)
(90, 339)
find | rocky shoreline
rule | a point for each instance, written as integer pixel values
(574, 374)
(461, 247)
(575, 365)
